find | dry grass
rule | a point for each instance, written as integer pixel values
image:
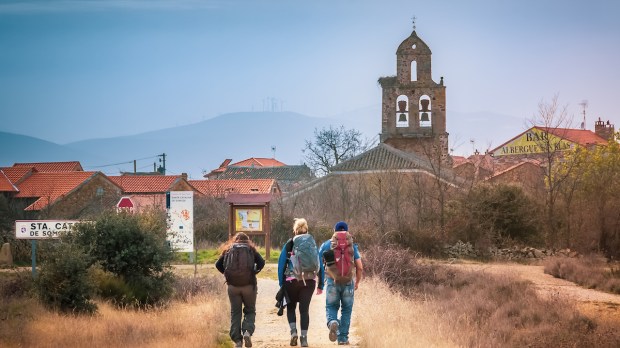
(445, 308)
(193, 320)
(590, 272)
(387, 319)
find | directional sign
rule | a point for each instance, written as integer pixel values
(42, 229)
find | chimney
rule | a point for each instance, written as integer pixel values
(604, 130)
(184, 176)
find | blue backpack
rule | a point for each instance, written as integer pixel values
(304, 257)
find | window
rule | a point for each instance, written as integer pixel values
(402, 111)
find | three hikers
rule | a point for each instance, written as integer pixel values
(302, 267)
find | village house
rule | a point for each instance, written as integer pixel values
(65, 190)
(287, 177)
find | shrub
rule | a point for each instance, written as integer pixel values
(133, 248)
(590, 272)
(187, 288)
(490, 215)
(63, 282)
(15, 284)
(398, 267)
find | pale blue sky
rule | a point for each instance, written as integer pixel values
(77, 69)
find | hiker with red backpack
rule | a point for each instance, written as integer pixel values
(298, 268)
(240, 262)
(342, 266)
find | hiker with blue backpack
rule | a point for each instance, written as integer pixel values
(240, 262)
(298, 268)
(341, 262)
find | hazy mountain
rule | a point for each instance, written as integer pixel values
(203, 146)
(22, 148)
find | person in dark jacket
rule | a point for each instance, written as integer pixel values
(242, 295)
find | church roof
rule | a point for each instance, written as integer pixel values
(384, 157)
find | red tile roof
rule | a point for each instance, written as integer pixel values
(50, 186)
(221, 188)
(72, 166)
(5, 184)
(579, 136)
(17, 174)
(145, 183)
(258, 162)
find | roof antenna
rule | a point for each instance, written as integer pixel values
(584, 105)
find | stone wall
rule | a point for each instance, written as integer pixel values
(462, 250)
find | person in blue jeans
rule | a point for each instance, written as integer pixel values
(340, 296)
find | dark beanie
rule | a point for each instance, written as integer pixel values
(341, 226)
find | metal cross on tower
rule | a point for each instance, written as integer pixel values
(413, 20)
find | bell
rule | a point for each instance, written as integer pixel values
(402, 105)
(402, 118)
(424, 117)
(424, 104)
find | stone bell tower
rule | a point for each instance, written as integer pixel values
(414, 106)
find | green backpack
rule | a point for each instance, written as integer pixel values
(304, 257)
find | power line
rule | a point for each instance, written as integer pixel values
(128, 162)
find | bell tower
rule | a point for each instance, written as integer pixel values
(413, 105)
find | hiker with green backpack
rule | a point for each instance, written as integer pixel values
(298, 268)
(239, 262)
(342, 266)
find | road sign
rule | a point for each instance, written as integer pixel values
(125, 203)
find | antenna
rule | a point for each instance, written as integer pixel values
(584, 105)
(273, 149)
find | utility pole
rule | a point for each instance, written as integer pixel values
(162, 168)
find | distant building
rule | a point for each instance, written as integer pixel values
(287, 177)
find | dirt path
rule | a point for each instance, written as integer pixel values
(547, 285)
(273, 331)
(594, 303)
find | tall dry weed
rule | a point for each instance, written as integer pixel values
(385, 318)
(590, 272)
(443, 308)
(193, 319)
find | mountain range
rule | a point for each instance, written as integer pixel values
(200, 147)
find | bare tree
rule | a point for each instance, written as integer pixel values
(550, 125)
(332, 146)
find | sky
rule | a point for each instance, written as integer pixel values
(80, 69)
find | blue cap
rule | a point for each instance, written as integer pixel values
(341, 226)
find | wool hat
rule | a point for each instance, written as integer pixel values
(341, 226)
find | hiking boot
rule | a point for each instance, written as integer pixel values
(343, 343)
(303, 340)
(333, 330)
(293, 339)
(238, 344)
(248, 339)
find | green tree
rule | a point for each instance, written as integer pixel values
(134, 249)
(493, 215)
(597, 178)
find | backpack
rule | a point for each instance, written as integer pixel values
(304, 257)
(340, 259)
(239, 265)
